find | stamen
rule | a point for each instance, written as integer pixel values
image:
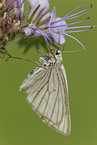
(74, 39)
(68, 28)
(79, 12)
(75, 31)
(77, 27)
(90, 27)
(74, 10)
(70, 23)
(76, 16)
(79, 30)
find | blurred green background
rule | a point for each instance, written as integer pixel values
(19, 124)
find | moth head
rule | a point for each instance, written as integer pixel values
(58, 55)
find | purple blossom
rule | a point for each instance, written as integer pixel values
(38, 18)
(58, 27)
(42, 22)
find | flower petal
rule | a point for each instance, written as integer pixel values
(27, 31)
(59, 38)
(47, 15)
(53, 29)
(43, 5)
(53, 15)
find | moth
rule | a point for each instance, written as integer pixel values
(47, 91)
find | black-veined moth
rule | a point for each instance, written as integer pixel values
(47, 91)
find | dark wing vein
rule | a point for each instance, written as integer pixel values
(48, 91)
(37, 84)
(63, 124)
(55, 99)
(38, 89)
(33, 78)
(49, 120)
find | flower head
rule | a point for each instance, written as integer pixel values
(11, 16)
(42, 22)
(56, 33)
(58, 26)
(37, 19)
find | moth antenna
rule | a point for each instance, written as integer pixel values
(72, 51)
(5, 53)
(41, 51)
(75, 40)
(14, 57)
(2, 52)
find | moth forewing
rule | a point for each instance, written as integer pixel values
(32, 78)
(48, 93)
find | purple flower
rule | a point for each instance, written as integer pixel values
(42, 22)
(58, 27)
(38, 18)
(12, 15)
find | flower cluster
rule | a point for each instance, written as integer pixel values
(42, 22)
(38, 22)
(11, 15)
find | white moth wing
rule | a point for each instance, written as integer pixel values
(60, 119)
(33, 78)
(48, 94)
